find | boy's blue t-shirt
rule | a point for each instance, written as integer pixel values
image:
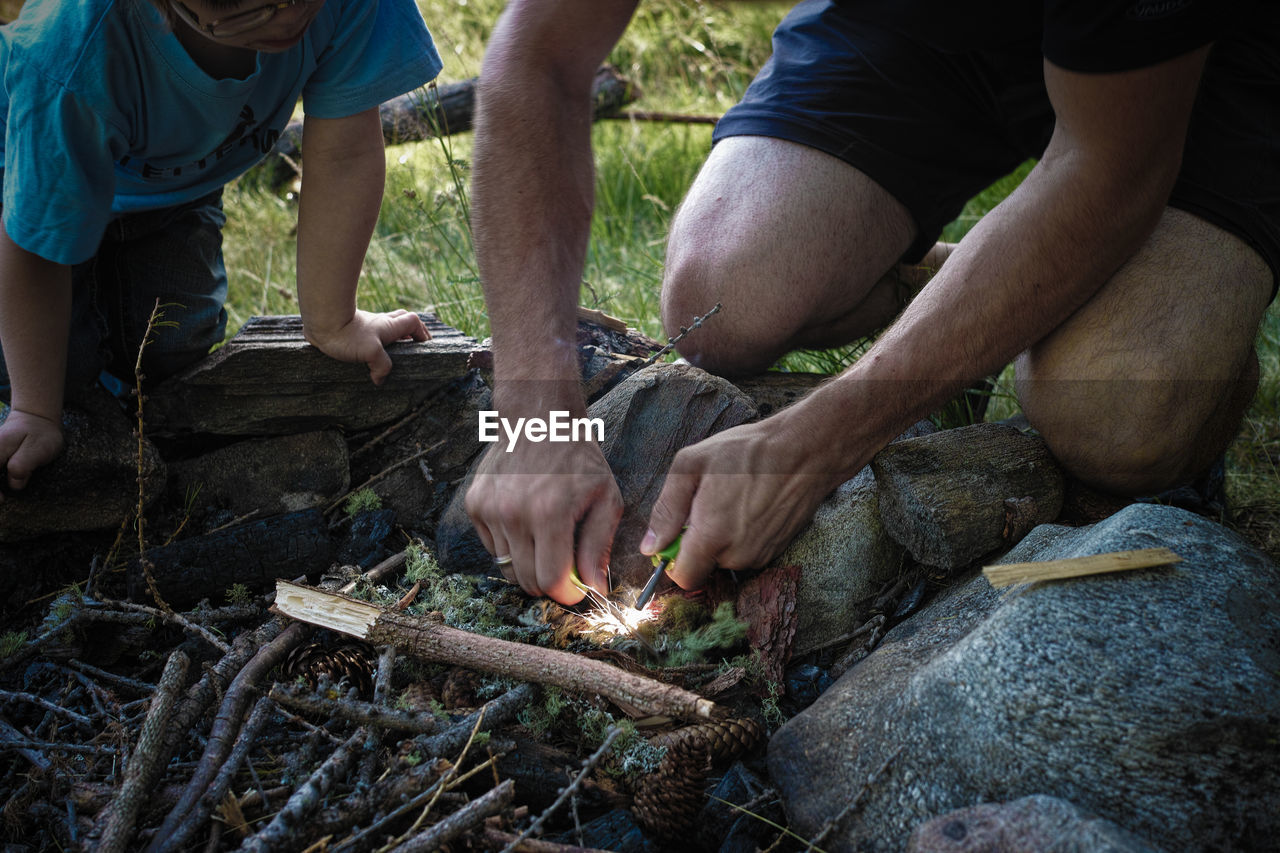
(104, 112)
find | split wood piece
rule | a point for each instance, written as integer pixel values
(943, 496)
(431, 640)
(1074, 567)
(449, 109)
(267, 380)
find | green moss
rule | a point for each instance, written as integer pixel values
(362, 501)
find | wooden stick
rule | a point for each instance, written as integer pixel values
(431, 640)
(1074, 567)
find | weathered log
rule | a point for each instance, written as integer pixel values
(449, 109)
(957, 495)
(252, 554)
(431, 640)
(267, 380)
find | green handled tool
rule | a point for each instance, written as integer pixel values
(661, 560)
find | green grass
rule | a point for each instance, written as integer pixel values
(685, 57)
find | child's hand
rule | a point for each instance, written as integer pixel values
(365, 337)
(27, 442)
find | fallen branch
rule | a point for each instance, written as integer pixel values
(307, 799)
(464, 819)
(143, 769)
(431, 640)
(226, 725)
(366, 713)
(217, 790)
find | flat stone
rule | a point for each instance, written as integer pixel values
(267, 475)
(267, 380)
(1150, 698)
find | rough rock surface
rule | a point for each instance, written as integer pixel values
(94, 484)
(1151, 698)
(1036, 824)
(267, 475)
(647, 419)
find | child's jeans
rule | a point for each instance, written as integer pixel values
(173, 255)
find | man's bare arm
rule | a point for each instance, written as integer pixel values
(532, 198)
(1089, 203)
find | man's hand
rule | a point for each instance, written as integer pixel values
(534, 503)
(364, 339)
(743, 494)
(27, 442)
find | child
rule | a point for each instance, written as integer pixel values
(122, 121)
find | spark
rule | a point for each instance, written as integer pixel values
(618, 619)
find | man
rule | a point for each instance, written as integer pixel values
(1127, 275)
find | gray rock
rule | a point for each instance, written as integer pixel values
(444, 430)
(1151, 698)
(845, 556)
(1036, 824)
(268, 475)
(94, 484)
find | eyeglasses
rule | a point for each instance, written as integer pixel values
(234, 25)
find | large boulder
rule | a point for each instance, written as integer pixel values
(1150, 698)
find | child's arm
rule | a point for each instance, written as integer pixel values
(35, 313)
(342, 183)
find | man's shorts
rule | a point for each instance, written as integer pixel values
(934, 128)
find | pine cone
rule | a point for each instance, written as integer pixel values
(459, 689)
(667, 801)
(724, 740)
(352, 662)
(419, 695)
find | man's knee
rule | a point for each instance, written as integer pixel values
(730, 342)
(1135, 438)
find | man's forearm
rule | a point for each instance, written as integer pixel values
(342, 188)
(532, 188)
(35, 313)
(1018, 275)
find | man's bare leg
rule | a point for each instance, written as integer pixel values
(793, 243)
(1143, 387)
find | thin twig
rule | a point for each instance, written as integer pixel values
(209, 801)
(834, 822)
(140, 521)
(569, 790)
(387, 566)
(365, 713)
(170, 615)
(684, 331)
(31, 699)
(306, 799)
(390, 469)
